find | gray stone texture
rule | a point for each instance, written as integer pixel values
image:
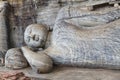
(36, 35)
(86, 46)
(14, 59)
(40, 63)
(26, 12)
(4, 12)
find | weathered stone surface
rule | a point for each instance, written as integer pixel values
(3, 29)
(35, 35)
(95, 46)
(14, 59)
(48, 42)
(76, 16)
(26, 12)
(47, 14)
(68, 73)
(85, 38)
(23, 13)
(40, 63)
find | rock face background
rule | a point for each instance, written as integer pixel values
(25, 12)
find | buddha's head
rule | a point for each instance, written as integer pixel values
(35, 35)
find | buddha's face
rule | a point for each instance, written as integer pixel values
(35, 35)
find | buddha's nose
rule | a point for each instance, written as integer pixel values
(31, 35)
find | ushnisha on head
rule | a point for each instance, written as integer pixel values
(35, 35)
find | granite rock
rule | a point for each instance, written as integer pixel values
(4, 8)
(40, 63)
(95, 46)
(14, 59)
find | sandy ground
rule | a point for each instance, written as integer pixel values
(70, 73)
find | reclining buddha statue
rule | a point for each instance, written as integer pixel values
(80, 38)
